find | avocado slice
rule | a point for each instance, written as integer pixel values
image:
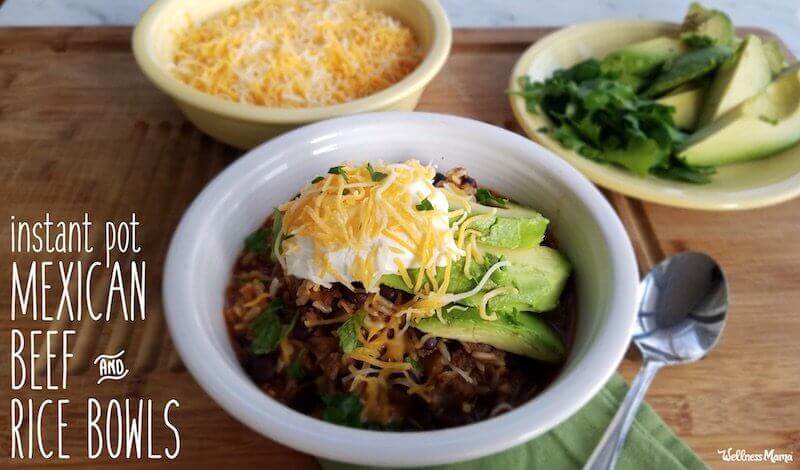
(511, 232)
(514, 226)
(459, 282)
(743, 75)
(518, 332)
(632, 64)
(760, 126)
(706, 27)
(688, 67)
(775, 56)
(687, 104)
(539, 274)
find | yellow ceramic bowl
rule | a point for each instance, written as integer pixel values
(247, 125)
(744, 185)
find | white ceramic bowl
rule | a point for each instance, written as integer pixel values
(210, 236)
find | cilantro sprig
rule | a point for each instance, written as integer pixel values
(348, 332)
(339, 170)
(343, 409)
(267, 329)
(295, 370)
(375, 175)
(257, 241)
(598, 114)
(415, 365)
(486, 198)
(424, 205)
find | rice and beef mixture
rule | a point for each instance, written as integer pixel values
(287, 335)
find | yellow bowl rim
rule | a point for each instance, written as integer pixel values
(425, 72)
(639, 189)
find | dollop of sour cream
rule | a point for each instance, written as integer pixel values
(300, 259)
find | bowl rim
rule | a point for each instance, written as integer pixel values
(431, 64)
(631, 185)
(243, 400)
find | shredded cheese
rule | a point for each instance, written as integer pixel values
(464, 375)
(294, 54)
(425, 306)
(257, 300)
(489, 296)
(370, 222)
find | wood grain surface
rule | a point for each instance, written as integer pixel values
(82, 130)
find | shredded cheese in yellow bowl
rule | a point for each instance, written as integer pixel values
(293, 53)
(244, 71)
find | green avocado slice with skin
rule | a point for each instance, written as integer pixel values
(459, 282)
(518, 332)
(514, 226)
(743, 75)
(539, 274)
(687, 104)
(760, 126)
(511, 232)
(688, 67)
(633, 63)
(706, 27)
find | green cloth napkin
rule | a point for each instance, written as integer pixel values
(650, 444)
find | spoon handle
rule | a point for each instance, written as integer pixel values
(607, 451)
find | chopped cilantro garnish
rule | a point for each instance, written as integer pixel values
(485, 197)
(596, 111)
(266, 329)
(415, 365)
(338, 170)
(288, 328)
(295, 369)
(317, 180)
(375, 175)
(343, 409)
(257, 241)
(348, 332)
(425, 205)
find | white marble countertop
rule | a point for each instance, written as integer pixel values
(782, 17)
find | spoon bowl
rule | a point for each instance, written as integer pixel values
(682, 308)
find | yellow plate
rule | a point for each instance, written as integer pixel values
(744, 185)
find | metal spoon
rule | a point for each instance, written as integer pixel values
(682, 307)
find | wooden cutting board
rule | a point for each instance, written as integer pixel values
(81, 129)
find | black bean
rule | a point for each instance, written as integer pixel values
(431, 343)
